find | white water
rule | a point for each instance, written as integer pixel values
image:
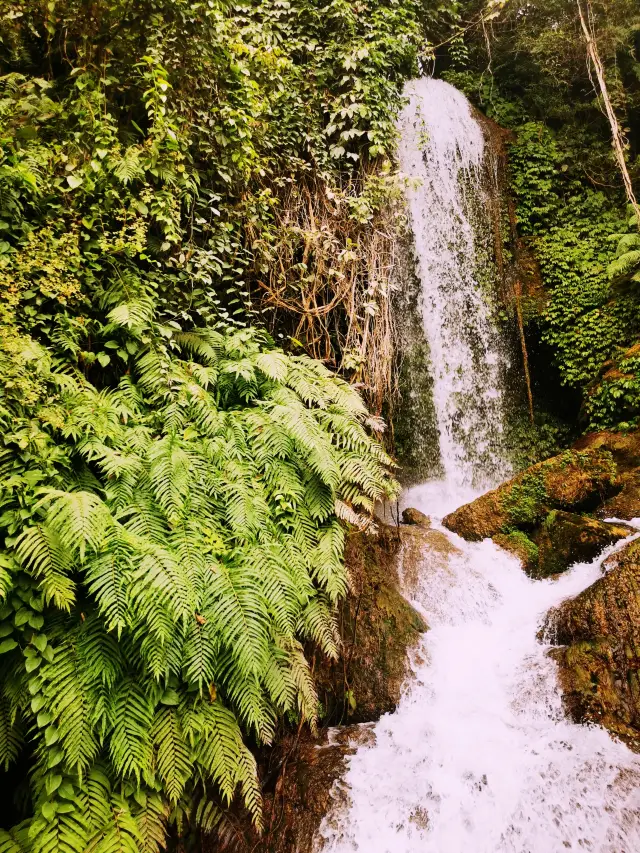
(441, 152)
(478, 757)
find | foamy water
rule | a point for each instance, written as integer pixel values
(479, 755)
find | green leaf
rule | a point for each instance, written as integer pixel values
(51, 735)
(52, 783)
(7, 646)
(48, 810)
(40, 642)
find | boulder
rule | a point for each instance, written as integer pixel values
(414, 516)
(624, 447)
(535, 514)
(599, 662)
(573, 480)
(423, 549)
(565, 538)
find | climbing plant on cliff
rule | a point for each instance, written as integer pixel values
(533, 72)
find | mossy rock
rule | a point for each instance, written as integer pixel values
(573, 480)
(623, 446)
(600, 661)
(626, 504)
(519, 544)
(377, 626)
(414, 516)
(625, 449)
(566, 538)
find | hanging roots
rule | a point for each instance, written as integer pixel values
(326, 270)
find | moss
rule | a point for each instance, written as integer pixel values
(600, 661)
(413, 410)
(524, 503)
(519, 544)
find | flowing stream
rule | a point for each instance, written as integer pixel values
(479, 756)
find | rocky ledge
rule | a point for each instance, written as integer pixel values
(546, 514)
(598, 639)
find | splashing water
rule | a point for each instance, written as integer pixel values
(479, 757)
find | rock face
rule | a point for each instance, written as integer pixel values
(625, 450)
(303, 785)
(535, 515)
(599, 661)
(378, 626)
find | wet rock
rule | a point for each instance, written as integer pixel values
(573, 480)
(625, 450)
(623, 446)
(302, 784)
(378, 627)
(626, 504)
(599, 662)
(423, 550)
(566, 538)
(414, 516)
(519, 544)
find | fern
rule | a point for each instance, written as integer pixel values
(170, 568)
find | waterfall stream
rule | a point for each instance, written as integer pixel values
(479, 756)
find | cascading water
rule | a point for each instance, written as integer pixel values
(479, 756)
(442, 153)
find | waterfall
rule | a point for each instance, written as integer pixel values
(442, 153)
(479, 755)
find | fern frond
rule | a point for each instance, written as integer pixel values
(130, 743)
(173, 756)
(10, 736)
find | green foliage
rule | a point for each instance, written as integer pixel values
(626, 265)
(613, 399)
(571, 227)
(531, 76)
(170, 543)
(530, 443)
(174, 489)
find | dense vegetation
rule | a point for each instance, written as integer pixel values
(530, 73)
(174, 486)
(182, 185)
